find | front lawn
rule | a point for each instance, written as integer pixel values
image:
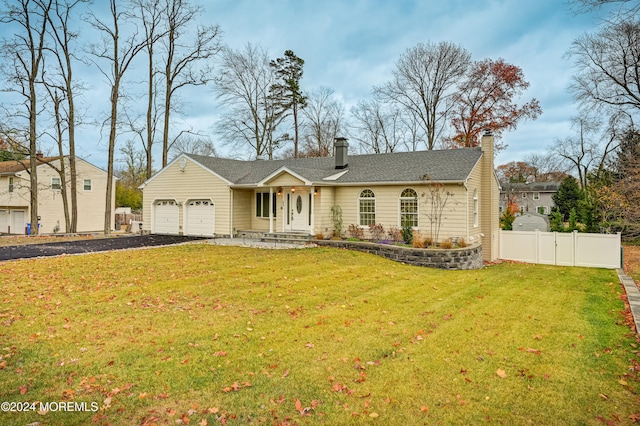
(201, 334)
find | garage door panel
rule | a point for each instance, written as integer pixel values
(200, 218)
(166, 217)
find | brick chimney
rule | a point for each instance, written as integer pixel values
(39, 154)
(341, 149)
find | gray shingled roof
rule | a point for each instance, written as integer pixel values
(530, 187)
(453, 165)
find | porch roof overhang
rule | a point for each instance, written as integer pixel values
(281, 171)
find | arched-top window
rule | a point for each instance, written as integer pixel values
(409, 208)
(367, 207)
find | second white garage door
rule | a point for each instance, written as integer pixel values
(200, 217)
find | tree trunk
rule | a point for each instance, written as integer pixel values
(112, 144)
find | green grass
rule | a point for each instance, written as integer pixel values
(207, 335)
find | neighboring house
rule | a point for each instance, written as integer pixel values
(534, 197)
(15, 188)
(531, 222)
(197, 195)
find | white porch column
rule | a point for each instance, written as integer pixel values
(313, 209)
(271, 209)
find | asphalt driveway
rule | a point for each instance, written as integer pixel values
(90, 246)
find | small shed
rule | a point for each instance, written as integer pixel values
(531, 222)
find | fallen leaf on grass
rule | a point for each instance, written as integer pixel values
(531, 350)
(501, 373)
(236, 387)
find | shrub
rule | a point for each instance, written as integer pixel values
(319, 236)
(446, 244)
(407, 234)
(377, 231)
(506, 220)
(428, 241)
(355, 231)
(418, 240)
(336, 218)
(395, 234)
(462, 243)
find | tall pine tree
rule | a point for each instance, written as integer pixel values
(286, 92)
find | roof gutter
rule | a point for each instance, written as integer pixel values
(345, 184)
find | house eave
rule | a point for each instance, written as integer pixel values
(348, 184)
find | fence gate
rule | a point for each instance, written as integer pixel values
(564, 249)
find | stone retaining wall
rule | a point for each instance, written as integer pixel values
(460, 258)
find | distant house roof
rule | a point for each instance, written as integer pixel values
(15, 166)
(531, 187)
(452, 165)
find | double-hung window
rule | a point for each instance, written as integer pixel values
(409, 208)
(367, 208)
(55, 183)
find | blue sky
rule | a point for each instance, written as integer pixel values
(350, 46)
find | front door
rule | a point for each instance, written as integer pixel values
(299, 209)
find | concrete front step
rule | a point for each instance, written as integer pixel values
(289, 237)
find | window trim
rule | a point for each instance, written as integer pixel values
(260, 198)
(536, 196)
(55, 186)
(366, 198)
(416, 222)
(11, 185)
(476, 213)
(84, 185)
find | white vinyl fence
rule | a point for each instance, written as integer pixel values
(564, 249)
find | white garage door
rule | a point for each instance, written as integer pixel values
(18, 221)
(4, 221)
(166, 217)
(200, 218)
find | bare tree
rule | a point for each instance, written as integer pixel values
(150, 14)
(117, 52)
(588, 149)
(61, 18)
(626, 7)
(323, 121)
(60, 127)
(378, 127)
(186, 58)
(25, 54)
(608, 67)
(547, 166)
(192, 144)
(422, 84)
(243, 87)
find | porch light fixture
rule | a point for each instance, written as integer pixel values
(315, 191)
(293, 190)
(279, 191)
